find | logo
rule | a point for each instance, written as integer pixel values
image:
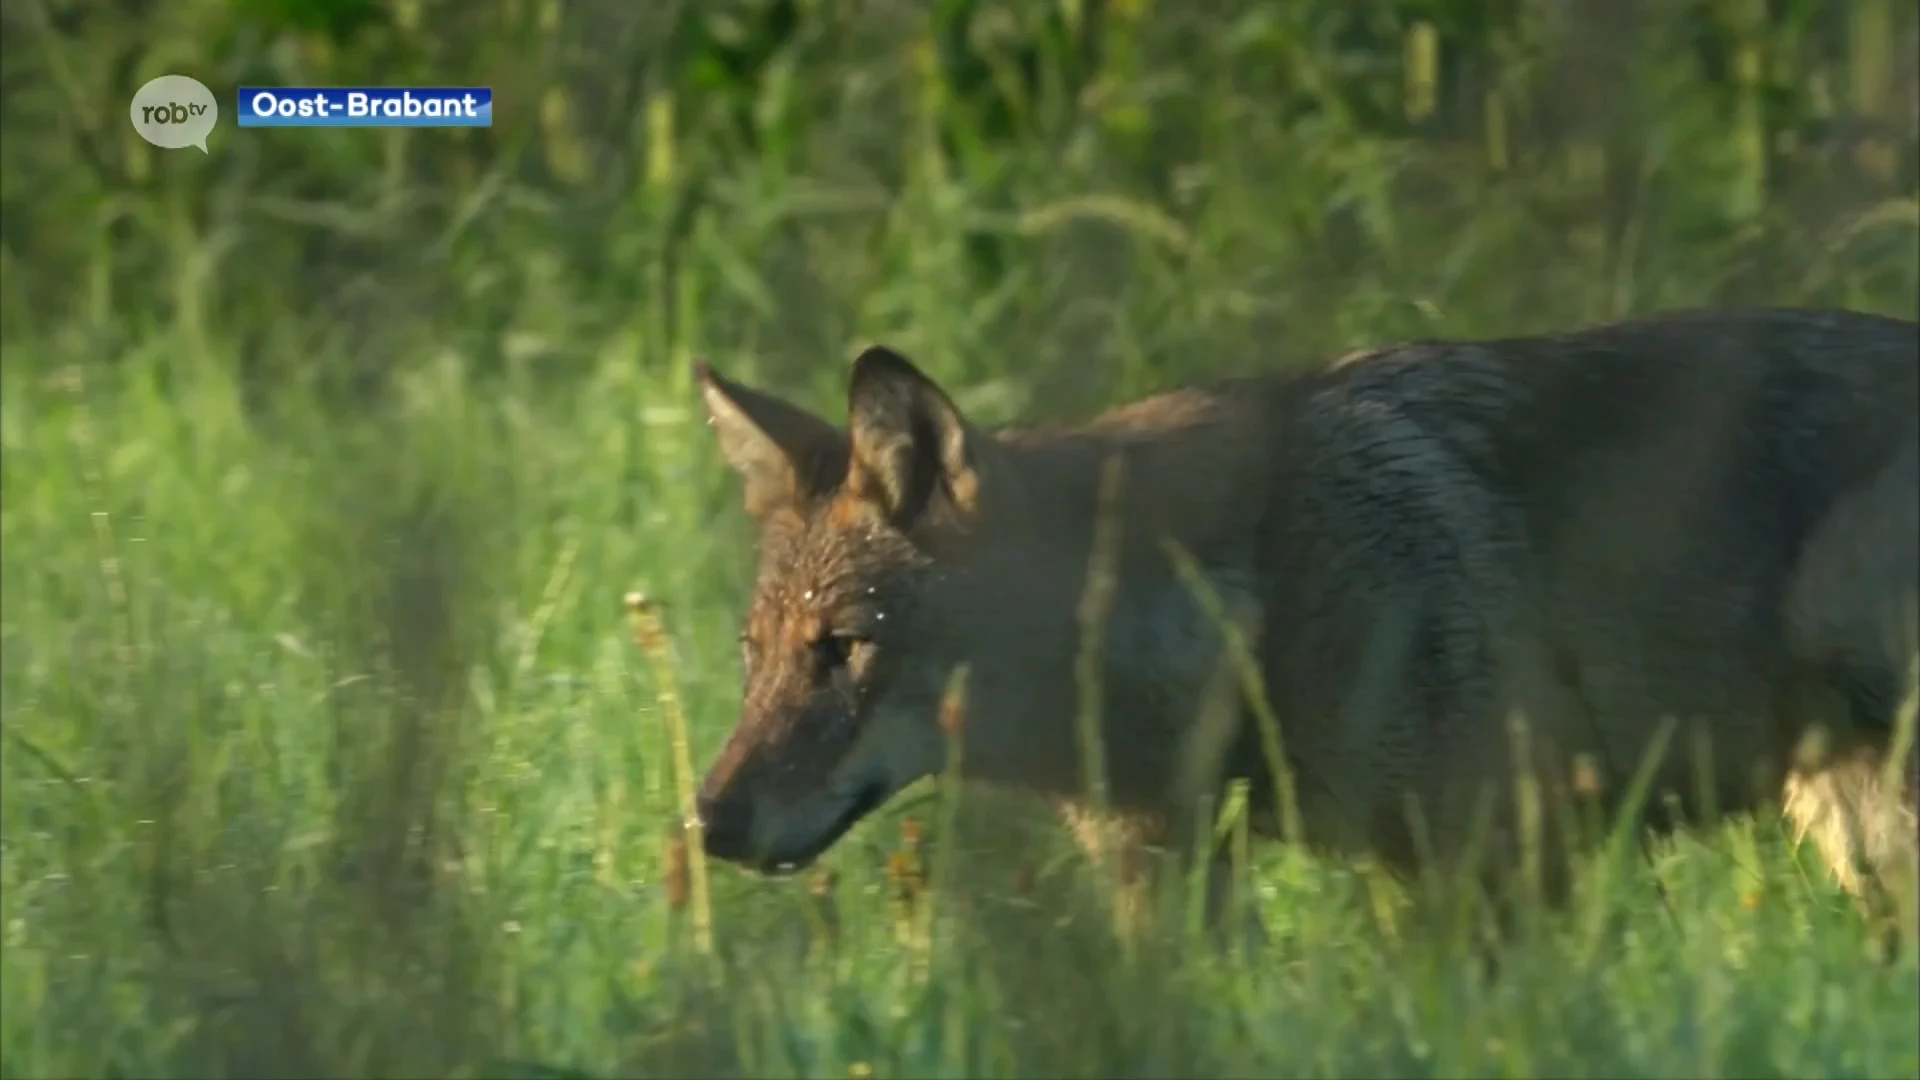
(174, 111)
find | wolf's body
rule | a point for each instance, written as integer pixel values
(1702, 524)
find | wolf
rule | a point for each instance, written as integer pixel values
(1479, 585)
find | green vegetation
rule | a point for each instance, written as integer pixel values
(329, 456)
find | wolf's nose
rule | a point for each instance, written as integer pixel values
(724, 827)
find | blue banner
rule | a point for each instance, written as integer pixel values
(366, 106)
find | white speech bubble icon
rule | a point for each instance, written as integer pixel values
(174, 111)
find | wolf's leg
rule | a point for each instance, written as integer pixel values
(1119, 847)
(1863, 823)
(1152, 882)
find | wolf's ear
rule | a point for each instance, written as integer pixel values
(784, 453)
(910, 445)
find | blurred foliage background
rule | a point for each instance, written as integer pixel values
(737, 176)
(329, 452)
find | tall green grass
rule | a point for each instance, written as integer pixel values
(328, 752)
(327, 747)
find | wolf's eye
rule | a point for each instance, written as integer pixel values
(836, 651)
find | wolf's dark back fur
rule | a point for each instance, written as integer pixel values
(1598, 528)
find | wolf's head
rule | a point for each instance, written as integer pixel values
(865, 537)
